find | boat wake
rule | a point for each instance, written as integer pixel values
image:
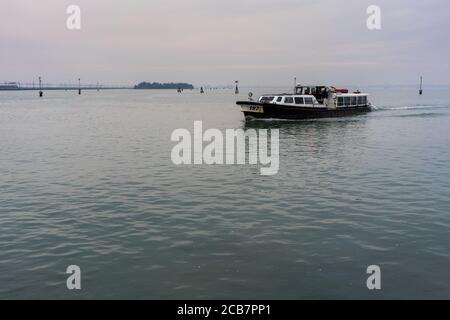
(421, 115)
(416, 107)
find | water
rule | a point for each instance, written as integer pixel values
(88, 180)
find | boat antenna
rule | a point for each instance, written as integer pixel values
(420, 89)
(295, 85)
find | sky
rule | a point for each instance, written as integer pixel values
(258, 42)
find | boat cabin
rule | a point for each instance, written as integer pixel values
(318, 96)
(319, 92)
(351, 100)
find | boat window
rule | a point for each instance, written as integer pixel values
(354, 101)
(364, 100)
(323, 93)
(288, 100)
(360, 100)
(266, 99)
(298, 100)
(340, 101)
(279, 99)
(347, 101)
(308, 101)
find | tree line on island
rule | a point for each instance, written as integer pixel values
(158, 85)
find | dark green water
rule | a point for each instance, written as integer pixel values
(88, 180)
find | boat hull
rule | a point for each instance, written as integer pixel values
(256, 110)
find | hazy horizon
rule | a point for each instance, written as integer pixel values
(260, 43)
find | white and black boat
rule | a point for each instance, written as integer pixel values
(306, 102)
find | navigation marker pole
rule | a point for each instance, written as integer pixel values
(420, 90)
(40, 88)
(79, 86)
(236, 91)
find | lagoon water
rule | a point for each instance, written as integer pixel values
(88, 180)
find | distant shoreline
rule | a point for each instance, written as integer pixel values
(157, 85)
(63, 88)
(140, 86)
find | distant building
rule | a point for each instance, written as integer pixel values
(9, 86)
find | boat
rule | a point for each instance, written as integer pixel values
(307, 102)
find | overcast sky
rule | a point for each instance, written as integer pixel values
(259, 42)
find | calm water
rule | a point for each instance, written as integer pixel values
(88, 180)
